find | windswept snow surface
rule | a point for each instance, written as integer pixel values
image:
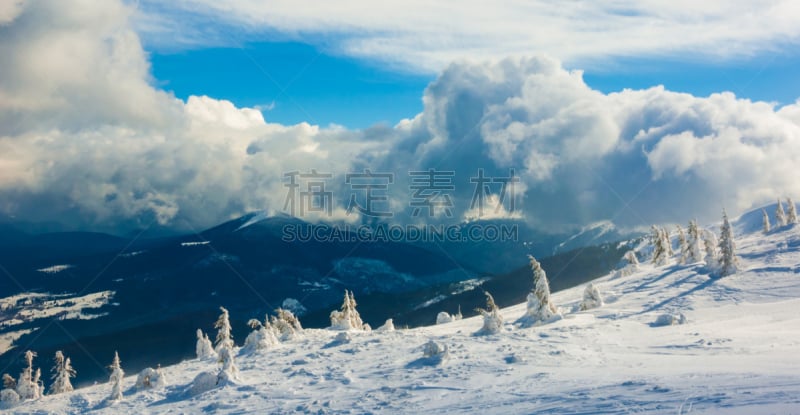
(737, 352)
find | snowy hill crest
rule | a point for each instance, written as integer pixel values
(727, 345)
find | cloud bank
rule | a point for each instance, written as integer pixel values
(86, 139)
(424, 35)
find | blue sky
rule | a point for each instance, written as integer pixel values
(293, 82)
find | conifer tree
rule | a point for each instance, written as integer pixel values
(683, 246)
(9, 396)
(28, 386)
(591, 298)
(9, 382)
(710, 242)
(492, 320)
(667, 242)
(117, 374)
(728, 262)
(631, 265)
(262, 337)
(204, 348)
(660, 246)
(765, 221)
(694, 242)
(347, 318)
(62, 372)
(791, 216)
(224, 337)
(780, 216)
(286, 323)
(228, 372)
(540, 307)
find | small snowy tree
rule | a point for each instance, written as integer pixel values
(9, 382)
(204, 349)
(693, 241)
(62, 371)
(28, 386)
(628, 266)
(780, 216)
(683, 246)
(386, 327)
(9, 396)
(630, 258)
(150, 378)
(435, 353)
(765, 220)
(791, 216)
(262, 337)
(540, 307)
(224, 337)
(492, 320)
(228, 372)
(661, 246)
(728, 261)
(667, 242)
(348, 318)
(591, 298)
(286, 324)
(116, 378)
(710, 242)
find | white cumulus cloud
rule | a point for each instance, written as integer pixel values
(87, 139)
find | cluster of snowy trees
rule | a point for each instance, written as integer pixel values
(782, 217)
(720, 254)
(30, 385)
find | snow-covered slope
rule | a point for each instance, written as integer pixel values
(737, 352)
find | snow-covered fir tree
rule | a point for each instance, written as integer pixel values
(591, 298)
(661, 245)
(693, 240)
(9, 382)
(668, 242)
(9, 396)
(262, 337)
(683, 246)
(728, 262)
(780, 216)
(224, 337)
(628, 266)
(791, 211)
(117, 374)
(540, 307)
(150, 378)
(347, 318)
(28, 384)
(62, 372)
(492, 320)
(228, 372)
(286, 323)
(710, 242)
(204, 348)
(765, 221)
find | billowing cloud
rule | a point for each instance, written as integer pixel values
(86, 139)
(425, 35)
